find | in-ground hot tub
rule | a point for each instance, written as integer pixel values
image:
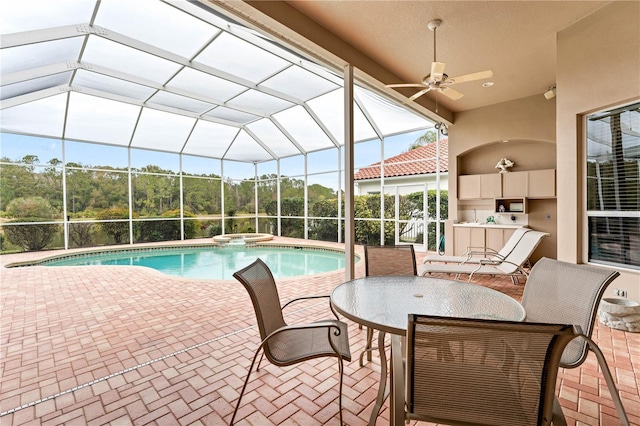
(246, 238)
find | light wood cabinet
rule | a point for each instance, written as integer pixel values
(531, 184)
(473, 187)
(496, 238)
(515, 184)
(484, 237)
(468, 187)
(491, 186)
(542, 183)
(467, 236)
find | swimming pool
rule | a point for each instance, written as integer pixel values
(211, 262)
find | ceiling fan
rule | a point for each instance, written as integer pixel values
(437, 80)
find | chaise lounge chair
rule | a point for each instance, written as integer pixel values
(475, 254)
(512, 265)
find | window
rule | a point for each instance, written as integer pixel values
(613, 186)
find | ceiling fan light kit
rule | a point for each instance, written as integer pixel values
(437, 80)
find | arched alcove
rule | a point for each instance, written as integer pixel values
(526, 154)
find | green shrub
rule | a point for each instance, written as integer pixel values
(31, 237)
(30, 207)
(324, 229)
(191, 226)
(118, 231)
(82, 234)
(214, 229)
(168, 230)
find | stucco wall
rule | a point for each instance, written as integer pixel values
(476, 144)
(598, 67)
(524, 122)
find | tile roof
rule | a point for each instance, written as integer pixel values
(419, 161)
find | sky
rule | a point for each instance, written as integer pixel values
(15, 147)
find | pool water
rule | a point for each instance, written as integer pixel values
(217, 262)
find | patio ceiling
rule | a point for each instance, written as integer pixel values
(514, 39)
(173, 76)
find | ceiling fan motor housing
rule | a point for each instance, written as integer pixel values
(427, 80)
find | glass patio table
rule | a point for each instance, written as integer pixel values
(384, 304)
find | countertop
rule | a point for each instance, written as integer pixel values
(489, 225)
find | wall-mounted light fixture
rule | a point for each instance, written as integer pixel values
(551, 93)
(443, 128)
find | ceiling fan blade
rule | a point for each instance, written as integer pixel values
(470, 77)
(405, 85)
(417, 95)
(451, 93)
(437, 71)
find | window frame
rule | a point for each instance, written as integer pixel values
(613, 214)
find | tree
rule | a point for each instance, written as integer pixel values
(245, 192)
(429, 136)
(16, 181)
(110, 188)
(202, 196)
(79, 188)
(155, 191)
(291, 187)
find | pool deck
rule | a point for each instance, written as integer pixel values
(128, 345)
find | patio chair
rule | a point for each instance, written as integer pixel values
(513, 265)
(381, 261)
(474, 254)
(284, 344)
(474, 372)
(565, 292)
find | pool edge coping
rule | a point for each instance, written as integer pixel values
(78, 252)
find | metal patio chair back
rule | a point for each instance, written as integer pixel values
(390, 260)
(284, 344)
(481, 372)
(564, 292)
(381, 261)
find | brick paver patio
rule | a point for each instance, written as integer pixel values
(129, 345)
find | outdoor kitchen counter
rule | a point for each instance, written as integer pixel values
(487, 235)
(489, 225)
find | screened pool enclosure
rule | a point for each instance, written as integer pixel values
(133, 121)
